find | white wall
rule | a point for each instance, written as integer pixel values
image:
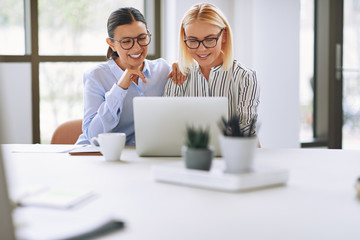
(15, 102)
(242, 26)
(266, 39)
(276, 60)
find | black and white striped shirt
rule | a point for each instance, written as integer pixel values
(238, 84)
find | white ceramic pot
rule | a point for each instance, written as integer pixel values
(238, 153)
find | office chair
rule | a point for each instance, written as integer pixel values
(67, 133)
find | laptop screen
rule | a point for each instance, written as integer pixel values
(160, 122)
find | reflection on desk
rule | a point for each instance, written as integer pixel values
(318, 202)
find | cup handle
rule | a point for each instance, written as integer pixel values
(94, 141)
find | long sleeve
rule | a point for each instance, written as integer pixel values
(101, 109)
(247, 97)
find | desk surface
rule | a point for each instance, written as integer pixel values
(318, 202)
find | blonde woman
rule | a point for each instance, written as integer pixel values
(206, 55)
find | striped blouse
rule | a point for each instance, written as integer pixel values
(238, 84)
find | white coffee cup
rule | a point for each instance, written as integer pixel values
(111, 145)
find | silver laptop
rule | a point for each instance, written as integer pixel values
(160, 122)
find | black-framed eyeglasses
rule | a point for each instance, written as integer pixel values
(128, 42)
(207, 42)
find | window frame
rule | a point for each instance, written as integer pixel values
(328, 80)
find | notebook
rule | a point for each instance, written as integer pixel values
(160, 122)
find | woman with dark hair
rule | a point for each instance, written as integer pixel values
(111, 86)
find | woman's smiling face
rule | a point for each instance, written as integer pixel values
(206, 57)
(134, 57)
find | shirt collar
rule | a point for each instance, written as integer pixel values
(146, 69)
(213, 69)
(117, 71)
(216, 68)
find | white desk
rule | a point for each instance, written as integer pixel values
(319, 201)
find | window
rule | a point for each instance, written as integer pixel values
(76, 27)
(307, 70)
(335, 86)
(61, 94)
(351, 75)
(62, 39)
(12, 31)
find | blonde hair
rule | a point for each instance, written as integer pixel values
(208, 13)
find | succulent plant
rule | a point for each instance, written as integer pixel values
(232, 128)
(197, 137)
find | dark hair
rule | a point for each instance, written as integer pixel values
(122, 16)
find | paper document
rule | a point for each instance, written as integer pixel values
(56, 198)
(44, 148)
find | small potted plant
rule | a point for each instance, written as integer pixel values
(196, 152)
(237, 145)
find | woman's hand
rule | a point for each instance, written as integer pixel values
(177, 76)
(129, 76)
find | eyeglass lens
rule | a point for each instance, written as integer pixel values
(143, 40)
(208, 42)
